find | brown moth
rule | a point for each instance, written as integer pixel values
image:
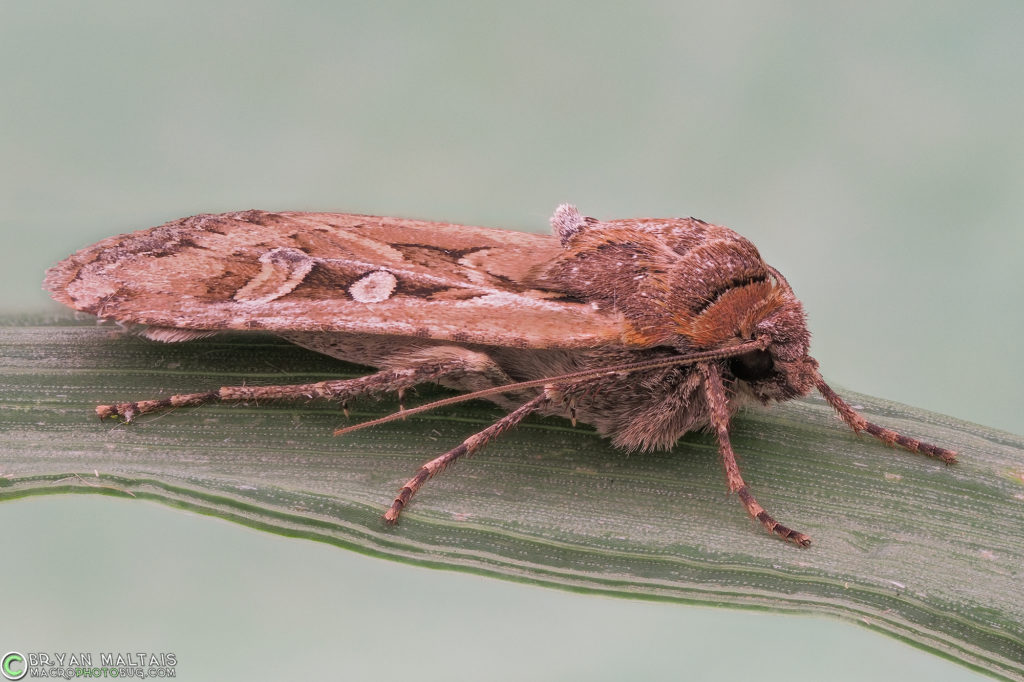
(644, 328)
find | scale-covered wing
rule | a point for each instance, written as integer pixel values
(255, 270)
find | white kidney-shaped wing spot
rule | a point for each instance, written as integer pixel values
(282, 270)
(374, 287)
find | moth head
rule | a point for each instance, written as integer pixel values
(764, 310)
(783, 369)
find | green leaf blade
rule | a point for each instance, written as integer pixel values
(928, 553)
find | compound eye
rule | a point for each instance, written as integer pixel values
(752, 366)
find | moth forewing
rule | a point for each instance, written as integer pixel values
(325, 272)
(644, 328)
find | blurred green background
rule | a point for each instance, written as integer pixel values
(874, 152)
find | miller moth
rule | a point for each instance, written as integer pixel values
(645, 328)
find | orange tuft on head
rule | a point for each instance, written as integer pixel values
(735, 313)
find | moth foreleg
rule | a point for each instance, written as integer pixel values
(858, 423)
(386, 381)
(467, 447)
(718, 408)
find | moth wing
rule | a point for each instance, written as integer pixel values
(326, 272)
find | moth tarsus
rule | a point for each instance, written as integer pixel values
(718, 407)
(645, 328)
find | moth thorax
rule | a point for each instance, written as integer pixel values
(741, 312)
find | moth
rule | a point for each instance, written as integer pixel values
(644, 328)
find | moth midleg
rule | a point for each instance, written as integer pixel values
(385, 381)
(718, 408)
(858, 423)
(467, 447)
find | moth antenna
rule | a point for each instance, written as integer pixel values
(759, 343)
(779, 278)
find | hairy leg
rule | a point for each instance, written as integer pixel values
(887, 436)
(467, 447)
(718, 406)
(450, 365)
(338, 389)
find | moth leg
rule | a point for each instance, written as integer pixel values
(385, 381)
(858, 423)
(718, 408)
(471, 371)
(467, 447)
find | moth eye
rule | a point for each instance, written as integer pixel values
(752, 366)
